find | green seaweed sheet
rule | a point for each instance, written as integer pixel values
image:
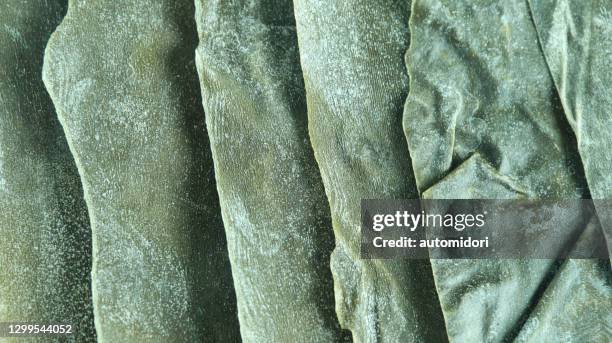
(576, 37)
(309, 110)
(273, 202)
(356, 83)
(483, 121)
(45, 251)
(123, 80)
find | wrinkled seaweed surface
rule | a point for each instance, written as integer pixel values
(193, 171)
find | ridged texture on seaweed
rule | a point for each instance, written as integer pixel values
(124, 83)
(273, 202)
(356, 83)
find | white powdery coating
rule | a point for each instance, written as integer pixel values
(122, 77)
(482, 122)
(577, 42)
(273, 202)
(352, 58)
(45, 252)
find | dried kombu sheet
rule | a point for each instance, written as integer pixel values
(273, 202)
(576, 37)
(356, 83)
(45, 251)
(482, 121)
(124, 83)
